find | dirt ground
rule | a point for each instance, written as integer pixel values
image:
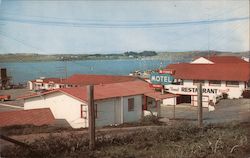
(15, 93)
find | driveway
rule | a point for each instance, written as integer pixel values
(225, 111)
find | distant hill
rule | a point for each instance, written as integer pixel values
(172, 56)
(188, 56)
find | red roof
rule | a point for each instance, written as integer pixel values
(36, 117)
(108, 90)
(222, 71)
(225, 59)
(87, 79)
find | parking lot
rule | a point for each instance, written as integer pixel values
(225, 111)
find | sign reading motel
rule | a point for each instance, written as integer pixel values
(161, 79)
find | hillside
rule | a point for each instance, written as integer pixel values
(173, 56)
(187, 56)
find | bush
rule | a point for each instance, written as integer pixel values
(224, 95)
(246, 94)
(149, 120)
(31, 129)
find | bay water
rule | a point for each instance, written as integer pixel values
(21, 72)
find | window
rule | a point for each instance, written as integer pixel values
(248, 84)
(198, 81)
(178, 82)
(96, 116)
(232, 83)
(131, 104)
(215, 83)
(83, 111)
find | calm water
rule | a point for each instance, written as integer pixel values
(24, 71)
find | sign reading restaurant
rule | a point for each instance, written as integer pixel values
(194, 90)
(161, 79)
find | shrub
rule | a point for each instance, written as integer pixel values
(31, 129)
(224, 95)
(246, 94)
(149, 120)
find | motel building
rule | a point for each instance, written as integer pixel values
(219, 75)
(43, 83)
(115, 103)
(76, 80)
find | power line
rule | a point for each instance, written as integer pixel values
(122, 25)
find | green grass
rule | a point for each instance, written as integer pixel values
(180, 140)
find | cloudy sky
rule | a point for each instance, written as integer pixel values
(109, 26)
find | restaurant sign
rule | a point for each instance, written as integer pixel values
(194, 90)
(161, 79)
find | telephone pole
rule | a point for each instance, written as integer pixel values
(91, 116)
(199, 103)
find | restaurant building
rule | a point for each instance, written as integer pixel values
(220, 76)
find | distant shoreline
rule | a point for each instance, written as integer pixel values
(145, 55)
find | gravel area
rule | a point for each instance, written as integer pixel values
(225, 111)
(15, 93)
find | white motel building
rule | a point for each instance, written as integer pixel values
(115, 103)
(218, 74)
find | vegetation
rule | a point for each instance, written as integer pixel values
(141, 54)
(246, 94)
(181, 140)
(175, 56)
(31, 129)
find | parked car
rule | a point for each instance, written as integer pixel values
(4, 97)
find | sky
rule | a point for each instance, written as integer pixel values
(108, 26)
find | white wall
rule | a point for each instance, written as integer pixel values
(201, 60)
(232, 91)
(30, 85)
(205, 101)
(131, 116)
(188, 82)
(169, 101)
(62, 106)
(108, 111)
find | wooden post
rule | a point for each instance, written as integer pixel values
(162, 90)
(159, 108)
(91, 115)
(199, 104)
(174, 112)
(14, 141)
